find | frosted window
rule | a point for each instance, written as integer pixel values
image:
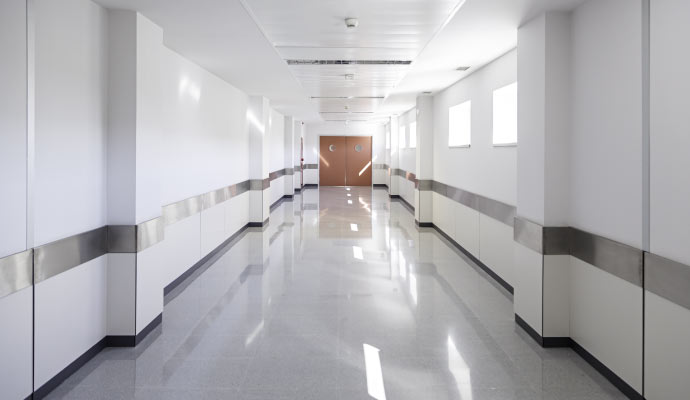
(388, 137)
(460, 125)
(505, 115)
(402, 142)
(413, 135)
(394, 141)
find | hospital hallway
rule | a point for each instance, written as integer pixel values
(341, 296)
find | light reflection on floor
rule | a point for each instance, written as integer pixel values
(312, 308)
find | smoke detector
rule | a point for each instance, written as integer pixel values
(463, 68)
(351, 23)
(349, 77)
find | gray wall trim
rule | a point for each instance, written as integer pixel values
(495, 209)
(424, 184)
(16, 272)
(556, 240)
(380, 166)
(529, 234)
(150, 232)
(57, 257)
(193, 205)
(256, 184)
(623, 261)
(182, 209)
(62, 255)
(544, 240)
(404, 174)
(215, 197)
(297, 168)
(122, 239)
(668, 279)
(311, 166)
(281, 172)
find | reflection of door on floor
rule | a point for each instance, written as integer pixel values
(345, 161)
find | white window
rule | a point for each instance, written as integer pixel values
(394, 141)
(460, 125)
(413, 134)
(388, 137)
(505, 115)
(402, 140)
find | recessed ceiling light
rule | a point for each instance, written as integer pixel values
(351, 23)
(462, 68)
(426, 92)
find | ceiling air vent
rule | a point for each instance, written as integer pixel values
(349, 62)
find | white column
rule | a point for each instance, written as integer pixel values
(258, 114)
(424, 161)
(122, 166)
(288, 148)
(394, 184)
(16, 345)
(541, 283)
(296, 160)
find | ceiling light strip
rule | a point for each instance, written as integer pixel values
(347, 62)
(347, 97)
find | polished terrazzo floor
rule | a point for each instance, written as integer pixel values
(341, 297)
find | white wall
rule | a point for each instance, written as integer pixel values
(406, 155)
(71, 118)
(481, 168)
(205, 147)
(606, 140)
(667, 365)
(670, 141)
(13, 127)
(190, 120)
(276, 139)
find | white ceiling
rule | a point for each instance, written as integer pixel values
(246, 43)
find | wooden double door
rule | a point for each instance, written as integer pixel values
(345, 161)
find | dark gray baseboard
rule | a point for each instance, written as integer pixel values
(258, 224)
(475, 260)
(133, 340)
(61, 376)
(397, 197)
(174, 284)
(611, 376)
(287, 197)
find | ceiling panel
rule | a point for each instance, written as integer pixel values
(354, 105)
(315, 29)
(245, 42)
